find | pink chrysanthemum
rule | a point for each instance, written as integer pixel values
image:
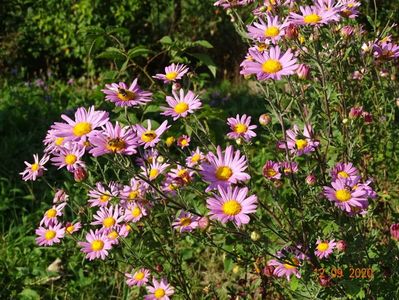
(112, 139)
(50, 216)
(49, 236)
(100, 196)
(85, 123)
(328, 6)
(121, 95)
(72, 227)
(53, 142)
(139, 278)
(35, 170)
(232, 3)
(159, 290)
(181, 175)
(385, 50)
(195, 158)
(270, 64)
(346, 195)
(148, 156)
(349, 8)
(69, 157)
(134, 212)
(313, 15)
(344, 170)
(285, 267)
(133, 192)
(289, 167)
(232, 205)
(172, 73)
(241, 128)
(181, 105)
(154, 170)
(183, 141)
(224, 169)
(60, 196)
(324, 248)
(108, 217)
(97, 245)
(298, 143)
(149, 137)
(271, 170)
(185, 222)
(270, 31)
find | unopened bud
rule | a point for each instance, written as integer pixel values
(80, 174)
(264, 119)
(255, 236)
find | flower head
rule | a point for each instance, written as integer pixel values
(180, 105)
(35, 170)
(49, 236)
(69, 157)
(97, 245)
(172, 73)
(324, 248)
(313, 15)
(108, 217)
(270, 31)
(160, 290)
(73, 227)
(50, 216)
(185, 222)
(121, 95)
(241, 127)
(344, 170)
(138, 278)
(298, 143)
(149, 137)
(100, 195)
(195, 158)
(271, 170)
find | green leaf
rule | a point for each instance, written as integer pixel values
(294, 283)
(112, 53)
(29, 294)
(138, 51)
(152, 108)
(203, 43)
(228, 264)
(166, 40)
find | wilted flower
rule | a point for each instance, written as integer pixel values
(394, 229)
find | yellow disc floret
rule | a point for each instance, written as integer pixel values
(272, 31)
(109, 222)
(159, 293)
(81, 129)
(312, 18)
(49, 235)
(35, 167)
(240, 128)
(272, 66)
(148, 136)
(51, 213)
(343, 195)
(224, 173)
(323, 246)
(181, 107)
(171, 76)
(116, 145)
(185, 221)
(97, 245)
(139, 275)
(231, 207)
(70, 159)
(301, 144)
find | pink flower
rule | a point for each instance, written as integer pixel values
(154, 170)
(285, 267)
(159, 290)
(97, 245)
(50, 217)
(121, 95)
(49, 236)
(185, 222)
(394, 230)
(232, 205)
(108, 217)
(172, 73)
(271, 31)
(230, 3)
(344, 170)
(53, 142)
(85, 123)
(324, 248)
(139, 278)
(241, 128)
(60, 196)
(225, 168)
(289, 167)
(112, 139)
(69, 157)
(270, 64)
(72, 227)
(349, 8)
(271, 170)
(181, 175)
(149, 137)
(298, 143)
(313, 15)
(134, 212)
(133, 192)
(35, 170)
(195, 158)
(181, 105)
(183, 141)
(100, 196)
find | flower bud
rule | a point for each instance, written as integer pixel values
(341, 246)
(203, 223)
(394, 229)
(255, 236)
(236, 269)
(277, 184)
(265, 119)
(169, 141)
(160, 159)
(303, 71)
(310, 180)
(291, 32)
(80, 174)
(268, 271)
(347, 31)
(324, 280)
(355, 112)
(176, 86)
(344, 121)
(367, 117)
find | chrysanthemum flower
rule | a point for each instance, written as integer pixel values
(232, 205)
(85, 123)
(147, 157)
(69, 157)
(134, 212)
(183, 141)
(181, 175)
(149, 137)
(154, 170)
(112, 139)
(289, 167)
(159, 290)
(50, 216)
(108, 217)
(185, 222)
(324, 248)
(172, 73)
(97, 245)
(35, 170)
(72, 227)
(271, 64)
(49, 236)
(328, 6)
(195, 158)
(349, 8)
(170, 186)
(286, 267)
(271, 170)
(139, 278)
(313, 15)
(344, 170)
(241, 128)
(224, 169)
(385, 50)
(133, 192)
(60, 196)
(53, 142)
(100, 196)
(346, 195)
(180, 105)
(298, 143)
(270, 31)
(121, 95)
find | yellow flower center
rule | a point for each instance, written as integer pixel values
(136, 212)
(128, 227)
(109, 222)
(292, 266)
(171, 75)
(169, 141)
(51, 213)
(159, 293)
(133, 195)
(343, 174)
(185, 221)
(58, 141)
(70, 228)
(70, 159)
(343, 195)
(81, 129)
(224, 173)
(116, 145)
(312, 18)
(49, 235)
(126, 95)
(35, 167)
(182, 173)
(154, 173)
(301, 143)
(231, 207)
(183, 142)
(104, 198)
(139, 275)
(181, 107)
(271, 66)
(97, 245)
(270, 172)
(148, 136)
(272, 31)
(240, 128)
(322, 246)
(113, 235)
(196, 157)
